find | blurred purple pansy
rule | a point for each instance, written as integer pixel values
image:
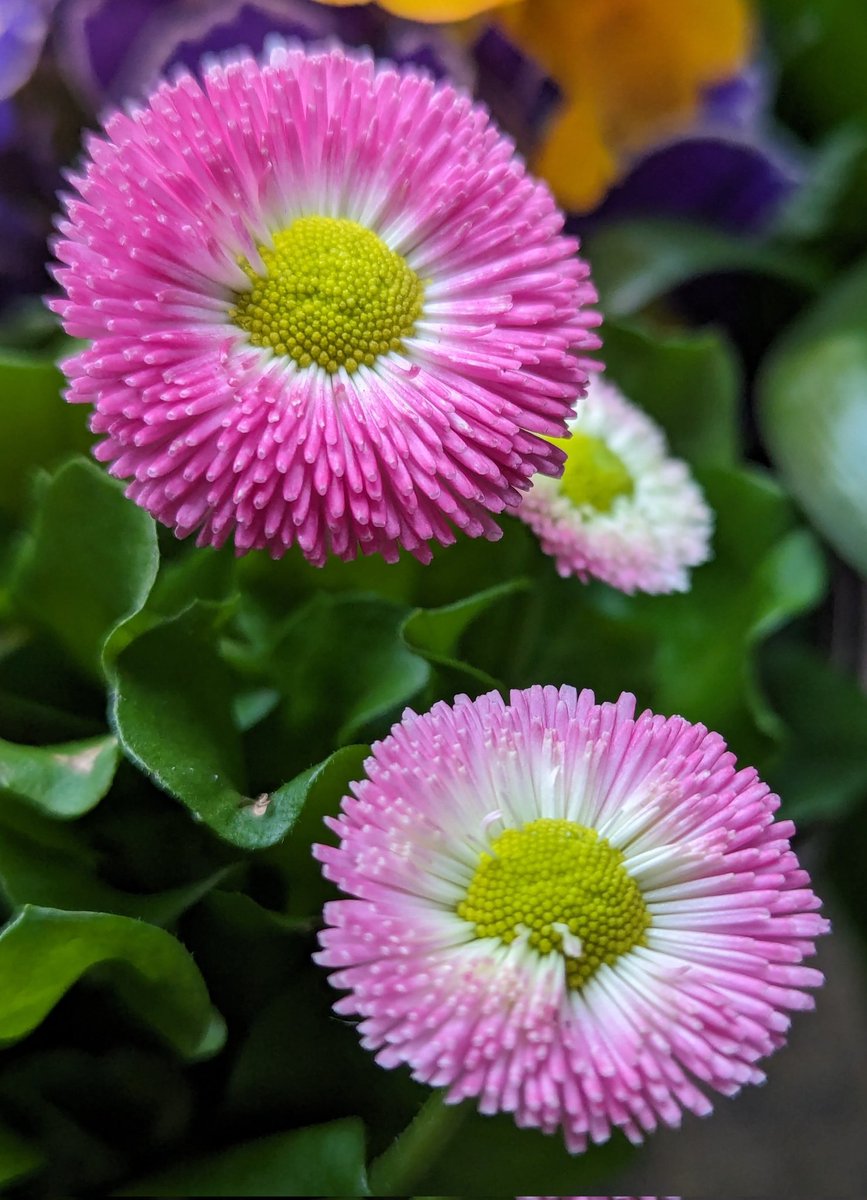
(24, 26)
(117, 48)
(28, 179)
(731, 170)
(521, 95)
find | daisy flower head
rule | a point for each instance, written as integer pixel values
(623, 510)
(572, 913)
(326, 306)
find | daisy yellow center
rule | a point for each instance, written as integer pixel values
(333, 294)
(563, 887)
(594, 476)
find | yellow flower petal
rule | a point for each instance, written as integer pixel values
(630, 70)
(575, 159)
(431, 10)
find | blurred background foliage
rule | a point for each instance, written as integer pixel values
(174, 723)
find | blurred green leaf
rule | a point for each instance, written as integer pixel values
(63, 781)
(688, 382)
(27, 719)
(766, 571)
(822, 771)
(839, 311)
(37, 429)
(827, 207)
(44, 951)
(248, 954)
(822, 47)
(44, 697)
(490, 1156)
(292, 577)
(85, 1116)
(27, 325)
(298, 1060)
(89, 563)
(323, 1160)
(53, 866)
(76, 1159)
(637, 261)
(812, 410)
(18, 1157)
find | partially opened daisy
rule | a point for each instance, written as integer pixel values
(327, 305)
(580, 916)
(624, 510)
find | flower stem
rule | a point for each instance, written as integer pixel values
(411, 1154)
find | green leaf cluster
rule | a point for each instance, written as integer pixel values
(174, 726)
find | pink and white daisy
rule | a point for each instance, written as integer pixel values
(577, 915)
(327, 305)
(623, 511)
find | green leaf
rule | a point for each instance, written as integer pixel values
(313, 796)
(201, 574)
(37, 429)
(811, 409)
(689, 382)
(50, 865)
(323, 1160)
(341, 667)
(823, 47)
(86, 1118)
(24, 718)
(43, 695)
(171, 707)
(172, 710)
(765, 573)
(18, 1157)
(822, 771)
(268, 820)
(839, 311)
(271, 582)
(814, 419)
(828, 203)
(637, 261)
(89, 564)
(435, 633)
(694, 653)
(490, 1156)
(27, 325)
(249, 954)
(44, 951)
(63, 781)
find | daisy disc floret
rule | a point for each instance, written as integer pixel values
(624, 510)
(581, 916)
(326, 306)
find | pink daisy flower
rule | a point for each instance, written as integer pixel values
(327, 305)
(623, 510)
(571, 913)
